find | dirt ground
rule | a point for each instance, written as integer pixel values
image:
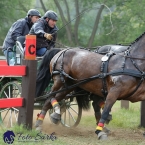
(83, 135)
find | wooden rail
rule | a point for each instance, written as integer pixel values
(28, 72)
(11, 102)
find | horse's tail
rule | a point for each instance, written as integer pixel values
(83, 102)
(43, 73)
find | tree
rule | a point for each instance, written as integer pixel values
(128, 23)
(10, 11)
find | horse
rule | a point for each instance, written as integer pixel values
(44, 78)
(117, 76)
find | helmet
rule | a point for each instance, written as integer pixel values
(33, 12)
(51, 15)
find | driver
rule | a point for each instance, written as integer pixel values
(19, 28)
(46, 31)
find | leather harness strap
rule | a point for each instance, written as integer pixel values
(104, 70)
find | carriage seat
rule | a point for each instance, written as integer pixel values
(115, 48)
(20, 46)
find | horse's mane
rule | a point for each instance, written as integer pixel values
(137, 38)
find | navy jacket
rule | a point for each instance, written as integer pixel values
(20, 28)
(40, 28)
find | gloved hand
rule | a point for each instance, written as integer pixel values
(48, 36)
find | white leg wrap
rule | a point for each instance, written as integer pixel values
(57, 109)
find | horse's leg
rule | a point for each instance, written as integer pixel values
(98, 104)
(52, 102)
(107, 108)
(56, 115)
(47, 105)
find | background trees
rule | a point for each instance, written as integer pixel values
(88, 22)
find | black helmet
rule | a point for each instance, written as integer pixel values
(51, 15)
(33, 12)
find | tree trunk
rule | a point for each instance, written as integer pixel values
(67, 8)
(67, 27)
(43, 6)
(76, 22)
(68, 15)
(91, 39)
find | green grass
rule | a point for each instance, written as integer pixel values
(123, 118)
(126, 118)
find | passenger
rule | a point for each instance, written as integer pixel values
(46, 31)
(19, 28)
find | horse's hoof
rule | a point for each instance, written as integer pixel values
(55, 118)
(39, 128)
(38, 123)
(106, 130)
(102, 136)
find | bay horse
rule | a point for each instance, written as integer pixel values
(44, 78)
(119, 75)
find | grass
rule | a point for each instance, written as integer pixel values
(123, 118)
(126, 118)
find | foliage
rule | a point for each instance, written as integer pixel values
(10, 11)
(128, 23)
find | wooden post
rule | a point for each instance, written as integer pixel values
(142, 117)
(29, 83)
(125, 104)
(28, 93)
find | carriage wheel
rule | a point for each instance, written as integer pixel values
(70, 113)
(9, 116)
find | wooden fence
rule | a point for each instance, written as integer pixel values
(28, 71)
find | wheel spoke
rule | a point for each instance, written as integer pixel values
(6, 114)
(11, 119)
(74, 110)
(71, 115)
(9, 92)
(74, 104)
(16, 92)
(15, 109)
(4, 110)
(69, 118)
(16, 115)
(6, 94)
(65, 117)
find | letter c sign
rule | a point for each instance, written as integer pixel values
(30, 51)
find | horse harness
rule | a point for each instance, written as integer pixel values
(104, 72)
(104, 69)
